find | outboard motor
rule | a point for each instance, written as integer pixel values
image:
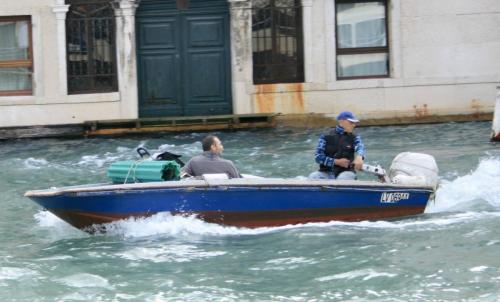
(410, 168)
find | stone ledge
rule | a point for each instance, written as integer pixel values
(315, 120)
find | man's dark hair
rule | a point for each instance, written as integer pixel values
(207, 142)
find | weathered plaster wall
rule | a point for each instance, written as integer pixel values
(445, 60)
(54, 114)
(451, 39)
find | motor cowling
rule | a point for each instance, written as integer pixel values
(409, 168)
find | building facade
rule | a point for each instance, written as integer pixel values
(70, 61)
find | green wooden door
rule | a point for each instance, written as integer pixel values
(183, 58)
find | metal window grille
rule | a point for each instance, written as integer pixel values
(277, 41)
(90, 47)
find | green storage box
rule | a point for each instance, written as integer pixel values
(130, 171)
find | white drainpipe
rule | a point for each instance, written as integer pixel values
(496, 119)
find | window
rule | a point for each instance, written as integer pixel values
(362, 41)
(277, 41)
(90, 47)
(16, 58)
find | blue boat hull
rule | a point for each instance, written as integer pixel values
(235, 203)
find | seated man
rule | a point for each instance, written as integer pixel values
(210, 162)
(340, 152)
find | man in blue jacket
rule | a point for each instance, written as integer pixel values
(340, 152)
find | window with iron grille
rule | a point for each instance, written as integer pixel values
(362, 39)
(90, 46)
(277, 41)
(16, 56)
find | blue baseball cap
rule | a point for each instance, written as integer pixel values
(347, 115)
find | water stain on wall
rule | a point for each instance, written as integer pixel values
(422, 111)
(279, 98)
(476, 105)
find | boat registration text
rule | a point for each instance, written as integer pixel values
(393, 197)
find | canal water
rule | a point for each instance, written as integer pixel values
(451, 253)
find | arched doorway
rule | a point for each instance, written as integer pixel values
(183, 56)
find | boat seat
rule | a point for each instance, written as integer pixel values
(215, 176)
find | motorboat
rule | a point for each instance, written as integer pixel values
(251, 201)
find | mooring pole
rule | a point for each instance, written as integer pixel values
(496, 119)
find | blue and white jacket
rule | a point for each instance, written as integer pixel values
(320, 155)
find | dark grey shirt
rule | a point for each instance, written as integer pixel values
(208, 163)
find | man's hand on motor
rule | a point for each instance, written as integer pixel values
(358, 163)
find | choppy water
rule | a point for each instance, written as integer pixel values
(452, 253)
